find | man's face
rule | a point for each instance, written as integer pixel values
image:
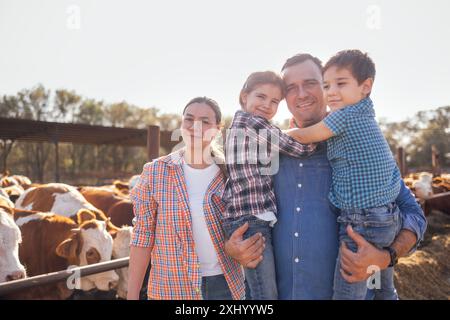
(304, 93)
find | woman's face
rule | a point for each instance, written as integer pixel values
(198, 125)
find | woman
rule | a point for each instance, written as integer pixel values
(178, 205)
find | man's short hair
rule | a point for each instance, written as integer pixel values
(300, 58)
(358, 63)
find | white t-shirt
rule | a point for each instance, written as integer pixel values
(197, 182)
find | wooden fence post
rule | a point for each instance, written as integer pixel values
(401, 161)
(152, 142)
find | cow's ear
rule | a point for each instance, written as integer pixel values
(111, 228)
(84, 215)
(68, 248)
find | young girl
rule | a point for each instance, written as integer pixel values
(249, 193)
(178, 206)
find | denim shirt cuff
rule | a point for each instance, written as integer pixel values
(414, 227)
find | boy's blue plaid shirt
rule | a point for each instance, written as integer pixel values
(365, 174)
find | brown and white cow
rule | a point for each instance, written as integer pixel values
(118, 208)
(60, 198)
(121, 249)
(6, 181)
(67, 201)
(52, 242)
(10, 237)
(23, 181)
(13, 192)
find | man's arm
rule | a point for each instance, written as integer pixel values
(354, 265)
(316, 133)
(413, 218)
(412, 232)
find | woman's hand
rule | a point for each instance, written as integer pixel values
(247, 252)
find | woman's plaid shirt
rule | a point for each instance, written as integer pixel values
(252, 156)
(164, 225)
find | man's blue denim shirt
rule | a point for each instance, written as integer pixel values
(305, 237)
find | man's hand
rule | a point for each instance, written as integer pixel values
(354, 265)
(247, 252)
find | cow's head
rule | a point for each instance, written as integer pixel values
(88, 244)
(422, 189)
(10, 237)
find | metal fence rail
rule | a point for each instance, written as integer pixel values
(11, 286)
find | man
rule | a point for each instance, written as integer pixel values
(305, 237)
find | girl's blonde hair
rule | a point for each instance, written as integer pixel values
(259, 78)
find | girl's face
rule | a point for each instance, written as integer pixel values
(198, 125)
(263, 100)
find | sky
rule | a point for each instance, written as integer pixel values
(163, 53)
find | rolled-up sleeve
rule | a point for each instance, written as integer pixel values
(413, 218)
(144, 207)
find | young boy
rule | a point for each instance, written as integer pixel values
(365, 178)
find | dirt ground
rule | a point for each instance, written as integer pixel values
(426, 273)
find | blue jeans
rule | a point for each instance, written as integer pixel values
(378, 226)
(215, 288)
(261, 280)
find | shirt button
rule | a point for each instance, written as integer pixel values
(298, 209)
(296, 260)
(296, 234)
(299, 185)
(301, 164)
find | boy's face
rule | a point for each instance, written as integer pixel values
(263, 100)
(341, 89)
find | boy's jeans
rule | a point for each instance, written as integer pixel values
(261, 280)
(378, 226)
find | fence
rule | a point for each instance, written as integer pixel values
(10, 287)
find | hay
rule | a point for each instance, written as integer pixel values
(426, 273)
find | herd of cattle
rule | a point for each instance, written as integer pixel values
(50, 227)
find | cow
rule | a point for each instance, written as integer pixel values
(67, 201)
(51, 242)
(13, 192)
(10, 237)
(118, 208)
(4, 194)
(23, 181)
(6, 181)
(121, 249)
(420, 184)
